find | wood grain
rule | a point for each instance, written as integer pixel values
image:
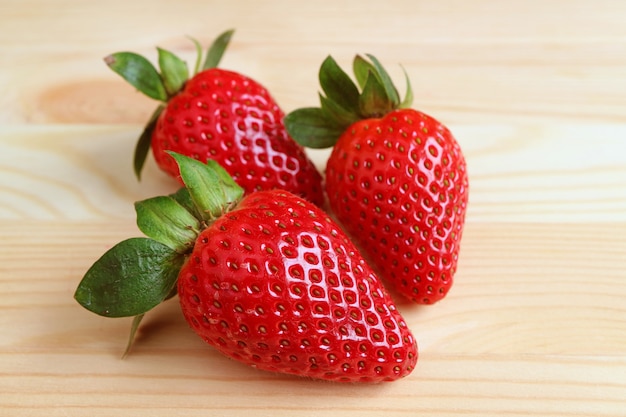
(535, 92)
(484, 63)
(515, 337)
(520, 172)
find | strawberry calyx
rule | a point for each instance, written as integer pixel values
(345, 102)
(163, 83)
(139, 273)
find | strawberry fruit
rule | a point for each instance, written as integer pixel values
(268, 279)
(396, 178)
(217, 114)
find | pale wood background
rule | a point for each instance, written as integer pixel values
(535, 92)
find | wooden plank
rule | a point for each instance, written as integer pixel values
(521, 288)
(520, 172)
(535, 92)
(488, 62)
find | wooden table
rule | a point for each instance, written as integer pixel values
(535, 92)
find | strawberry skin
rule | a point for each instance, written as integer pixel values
(399, 185)
(220, 115)
(277, 285)
(230, 118)
(266, 278)
(396, 178)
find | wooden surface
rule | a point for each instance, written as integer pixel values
(535, 92)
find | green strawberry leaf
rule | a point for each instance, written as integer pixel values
(172, 293)
(374, 101)
(133, 331)
(173, 70)
(216, 50)
(310, 127)
(145, 140)
(338, 86)
(196, 66)
(163, 219)
(362, 69)
(408, 98)
(130, 279)
(337, 114)
(139, 72)
(231, 189)
(211, 193)
(183, 198)
(386, 81)
(344, 102)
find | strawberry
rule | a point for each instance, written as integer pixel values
(268, 279)
(396, 178)
(217, 114)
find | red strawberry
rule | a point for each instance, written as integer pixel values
(221, 115)
(396, 178)
(268, 279)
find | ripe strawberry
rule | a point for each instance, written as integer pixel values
(396, 178)
(268, 279)
(221, 115)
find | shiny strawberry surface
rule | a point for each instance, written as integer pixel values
(399, 186)
(230, 118)
(276, 284)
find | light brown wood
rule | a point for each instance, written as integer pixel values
(535, 93)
